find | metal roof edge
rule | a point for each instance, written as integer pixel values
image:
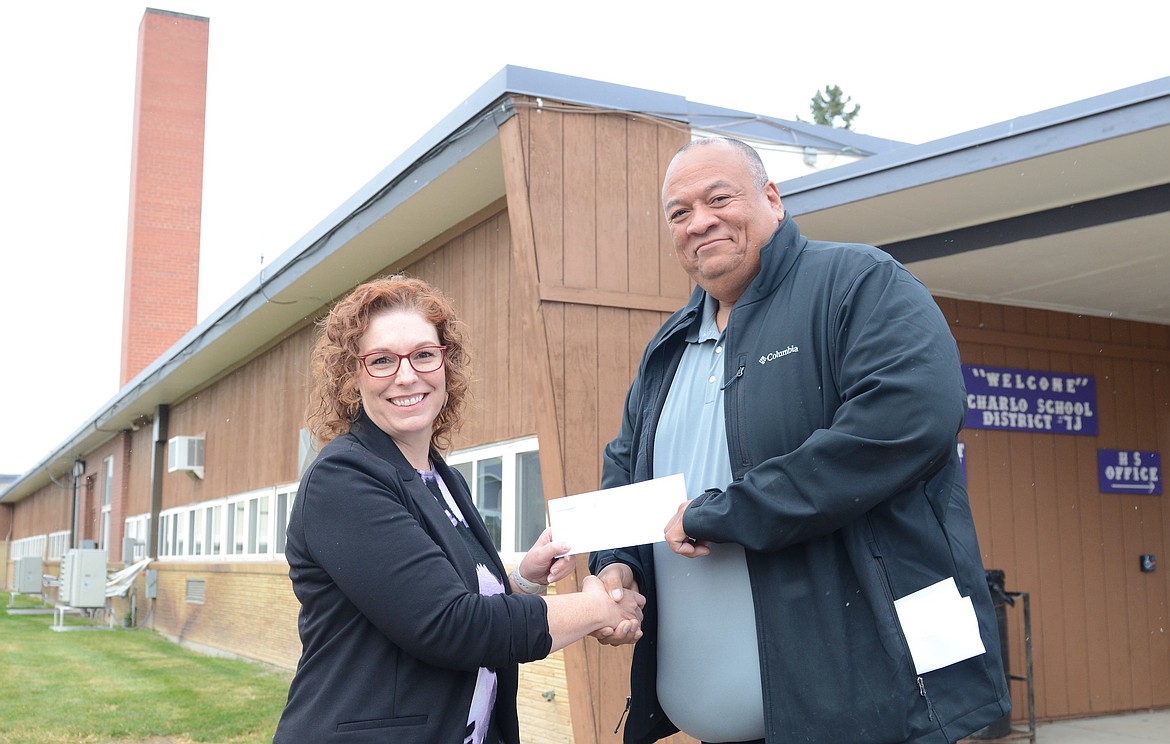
(992, 145)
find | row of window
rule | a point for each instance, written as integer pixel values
(504, 480)
(51, 546)
(250, 525)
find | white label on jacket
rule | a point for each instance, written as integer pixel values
(940, 626)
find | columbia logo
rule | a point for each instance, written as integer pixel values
(773, 356)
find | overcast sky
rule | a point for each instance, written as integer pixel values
(308, 101)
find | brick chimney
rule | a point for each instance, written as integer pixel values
(166, 187)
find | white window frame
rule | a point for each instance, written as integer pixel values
(247, 526)
(35, 545)
(137, 528)
(107, 501)
(59, 544)
(282, 511)
(508, 453)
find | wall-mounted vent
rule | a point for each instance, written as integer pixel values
(196, 591)
(185, 454)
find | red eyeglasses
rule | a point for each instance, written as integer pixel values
(386, 363)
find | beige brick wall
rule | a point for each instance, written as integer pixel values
(250, 611)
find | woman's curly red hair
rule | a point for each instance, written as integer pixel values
(334, 398)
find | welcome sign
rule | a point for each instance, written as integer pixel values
(1031, 401)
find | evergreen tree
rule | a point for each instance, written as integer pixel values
(828, 106)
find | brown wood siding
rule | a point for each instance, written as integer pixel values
(137, 475)
(474, 270)
(607, 279)
(50, 509)
(1098, 624)
(250, 421)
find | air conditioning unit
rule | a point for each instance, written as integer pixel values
(29, 572)
(185, 454)
(83, 578)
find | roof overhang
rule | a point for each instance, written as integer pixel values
(1067, 209)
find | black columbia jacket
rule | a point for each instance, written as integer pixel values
(843, 403)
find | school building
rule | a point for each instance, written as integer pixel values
(535, 205)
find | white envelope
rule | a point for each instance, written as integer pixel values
(617, 517)
(940, 626)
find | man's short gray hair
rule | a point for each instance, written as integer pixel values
(751, 158)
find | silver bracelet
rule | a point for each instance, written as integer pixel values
(524, 585)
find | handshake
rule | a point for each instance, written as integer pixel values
(608, 607)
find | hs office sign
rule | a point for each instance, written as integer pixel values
(1129, 471)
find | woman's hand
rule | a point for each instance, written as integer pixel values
(541, 564)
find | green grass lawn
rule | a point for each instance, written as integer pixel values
(125, 686)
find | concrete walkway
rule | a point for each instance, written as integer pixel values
(1128, 728)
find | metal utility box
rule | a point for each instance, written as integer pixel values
(29, 570)
(83, 578)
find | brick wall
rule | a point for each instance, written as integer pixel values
(166, 187)
(251, 612)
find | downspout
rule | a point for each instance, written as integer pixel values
(78, 474)
(158, 460)
(11, 509)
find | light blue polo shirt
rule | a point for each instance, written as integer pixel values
(708, 657)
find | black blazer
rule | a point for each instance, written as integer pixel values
(393, 628)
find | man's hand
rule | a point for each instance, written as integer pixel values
(619, 578)
(677, 539)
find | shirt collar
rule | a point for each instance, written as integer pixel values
(706, 329)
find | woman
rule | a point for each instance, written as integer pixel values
(410, 630)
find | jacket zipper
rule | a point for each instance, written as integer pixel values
(922, 692)
(901, 633)
(627, 710)
(732, 414)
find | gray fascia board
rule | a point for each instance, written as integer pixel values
(1112, 115)
(733, 123)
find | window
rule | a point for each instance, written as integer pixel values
(246, 526)
(59, 544)
(237, 527)
(197, 531)
(107, 500)
(284, 504)
(506, 487)
(138, 530)
(164, 535)
(214, 527)
(531, 513)
(488, 489)
(27, 546)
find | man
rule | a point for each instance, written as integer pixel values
(811, 395)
